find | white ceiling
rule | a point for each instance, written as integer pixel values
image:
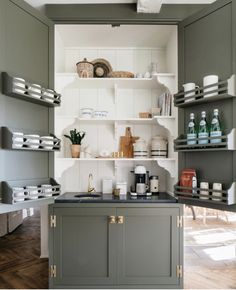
(40, 3)
(107, 36)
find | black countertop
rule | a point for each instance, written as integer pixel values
(70, 197)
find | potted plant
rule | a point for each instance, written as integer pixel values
(76, 139)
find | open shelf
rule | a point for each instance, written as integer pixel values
(228, 142)
(122, 83)
(12, 140)
(228, 194)
(226, 89)
(18, 88)
(15, 192)
(169, 164)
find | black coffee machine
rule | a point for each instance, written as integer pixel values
(140, 185)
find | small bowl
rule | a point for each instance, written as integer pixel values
(86, 113)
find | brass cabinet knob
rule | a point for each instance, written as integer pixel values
(112, 219)
(120, 219)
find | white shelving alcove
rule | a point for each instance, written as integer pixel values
(127, 48)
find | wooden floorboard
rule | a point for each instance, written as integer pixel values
(210, 255)
(20, 263)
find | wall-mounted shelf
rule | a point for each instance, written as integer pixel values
(226, 89)
(18, 88)
(169, 164)
(120, 83)
(11, 140)
(13, 194)
(228, 142)
(227, 195)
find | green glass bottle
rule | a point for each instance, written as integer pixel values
(215, 127)
(203, 131)
(192, 132)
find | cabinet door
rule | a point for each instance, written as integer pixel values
(83, 247)
(149, 247)
(207, 46)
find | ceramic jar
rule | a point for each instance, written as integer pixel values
(159, 147)
(140, 149)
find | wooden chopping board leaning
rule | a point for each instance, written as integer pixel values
(126, 143)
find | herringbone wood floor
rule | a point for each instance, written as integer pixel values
(20, 263)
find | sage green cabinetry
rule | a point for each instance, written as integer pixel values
(115, 246)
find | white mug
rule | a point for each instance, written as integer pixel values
(18, 137)
(210, 80)
(189, 87)
(47, 142)
(141, 188)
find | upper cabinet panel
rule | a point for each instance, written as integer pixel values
(31, 38)
(206, 44)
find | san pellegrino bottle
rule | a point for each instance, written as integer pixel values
(192, 132)
(215, 127)
(203, 131)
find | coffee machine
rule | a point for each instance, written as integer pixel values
(140, 185)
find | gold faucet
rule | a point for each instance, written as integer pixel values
(91, 187)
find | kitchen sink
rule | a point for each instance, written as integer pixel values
(88, 195)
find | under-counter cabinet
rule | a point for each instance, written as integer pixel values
(120, 246)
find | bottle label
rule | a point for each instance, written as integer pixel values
(191, 124)
(191, 136)
(216, 134)
(203, 123)
(214, 121)
(203, 135)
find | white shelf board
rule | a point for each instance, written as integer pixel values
(114, 159)
(122, 83)
(120, 121)
(4, 208)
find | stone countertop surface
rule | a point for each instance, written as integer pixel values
(75, 197)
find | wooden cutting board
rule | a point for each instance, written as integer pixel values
(126, 143)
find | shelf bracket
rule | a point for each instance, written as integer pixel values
(168, 123)
(168, 165)
(115, 93)
(168, 82)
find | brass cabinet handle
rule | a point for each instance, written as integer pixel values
(112, 219)
(120, 220)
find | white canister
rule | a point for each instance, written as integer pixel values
(204, 185)
(216, 186)
(35, 91)
(46, 190)
(107, 186)
(140, 149)
(190, 87)
(159, 147)
(18, 139)
(122, 186)
(210, 80)
(20, 84)
(32, 141)
(18, 194)
(32, 191)
(47, 142)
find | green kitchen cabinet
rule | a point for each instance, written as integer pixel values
(116, 246)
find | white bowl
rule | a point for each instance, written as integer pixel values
(20, 83)
(49, 93)
(19, 194)
(86, 113)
